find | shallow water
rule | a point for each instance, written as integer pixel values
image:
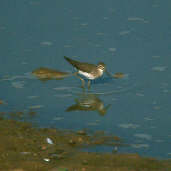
(130, 37)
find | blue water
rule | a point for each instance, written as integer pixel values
(132, 37)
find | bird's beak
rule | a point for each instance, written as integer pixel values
(109, 74)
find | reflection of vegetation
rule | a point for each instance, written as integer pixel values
(89, 102)
(19, 115)
(49, 74)
(25, 148)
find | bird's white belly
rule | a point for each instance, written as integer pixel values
(88, 75)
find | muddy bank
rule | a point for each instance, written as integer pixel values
(23, 147)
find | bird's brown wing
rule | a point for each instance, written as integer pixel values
(85, 67)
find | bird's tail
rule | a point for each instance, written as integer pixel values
(71, 61)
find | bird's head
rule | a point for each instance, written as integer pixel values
(101, 66)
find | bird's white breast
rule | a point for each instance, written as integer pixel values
(88, 75)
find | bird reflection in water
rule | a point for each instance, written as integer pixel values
(89, 102)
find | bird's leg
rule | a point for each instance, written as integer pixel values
(82, 80)
(89, 82)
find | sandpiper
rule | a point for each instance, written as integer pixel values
(90, 71)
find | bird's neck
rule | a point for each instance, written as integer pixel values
(100, 71)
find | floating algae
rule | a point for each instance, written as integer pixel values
(118, 75)
(49, 74)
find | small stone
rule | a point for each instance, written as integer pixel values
(46, 159)
(49, 141)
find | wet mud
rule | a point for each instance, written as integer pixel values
(23, 147)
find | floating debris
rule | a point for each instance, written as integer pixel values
(49, 141)
(36, 107)
(118, 75)
(49, 74)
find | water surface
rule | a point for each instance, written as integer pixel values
(131, 37)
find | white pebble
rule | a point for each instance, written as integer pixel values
(49, 141)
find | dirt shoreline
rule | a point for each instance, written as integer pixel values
(23, 148)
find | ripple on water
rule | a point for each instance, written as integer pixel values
(18, 84)
(140, 145)
(143, 136)
(159, 68)
(129, 125)
(36, 106)
(46, 43)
